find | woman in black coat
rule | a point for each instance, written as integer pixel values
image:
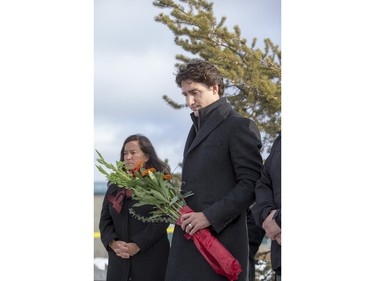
(137, 251)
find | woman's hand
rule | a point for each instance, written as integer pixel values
(123, 249)
(132, 248)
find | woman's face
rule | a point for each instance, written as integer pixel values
(133, 154)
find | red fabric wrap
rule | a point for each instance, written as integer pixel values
(220, 259)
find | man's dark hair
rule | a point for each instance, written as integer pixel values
(200, 71)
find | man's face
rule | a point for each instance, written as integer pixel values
(198, 95)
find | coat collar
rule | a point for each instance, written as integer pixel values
(209, 118)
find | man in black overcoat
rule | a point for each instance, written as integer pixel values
(267, 209)
(221, 165)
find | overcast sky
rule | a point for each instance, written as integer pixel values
(134, 67)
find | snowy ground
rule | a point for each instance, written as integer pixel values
(100, 269)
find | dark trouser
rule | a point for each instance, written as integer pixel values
(251, 270)
(256, 235)
(278, 278)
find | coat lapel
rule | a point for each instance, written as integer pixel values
(212, 122)
(189, 139)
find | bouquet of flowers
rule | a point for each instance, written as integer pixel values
(151, 187)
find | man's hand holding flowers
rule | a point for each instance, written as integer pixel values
(194, 221)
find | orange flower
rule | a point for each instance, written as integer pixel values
(167, 177)
(148, 170)
(139, 165)
(137, 168)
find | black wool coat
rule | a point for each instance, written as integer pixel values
(151, 261)
(268, 197)
(221, 165)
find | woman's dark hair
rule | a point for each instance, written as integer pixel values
(200, 71)
(148, 149)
